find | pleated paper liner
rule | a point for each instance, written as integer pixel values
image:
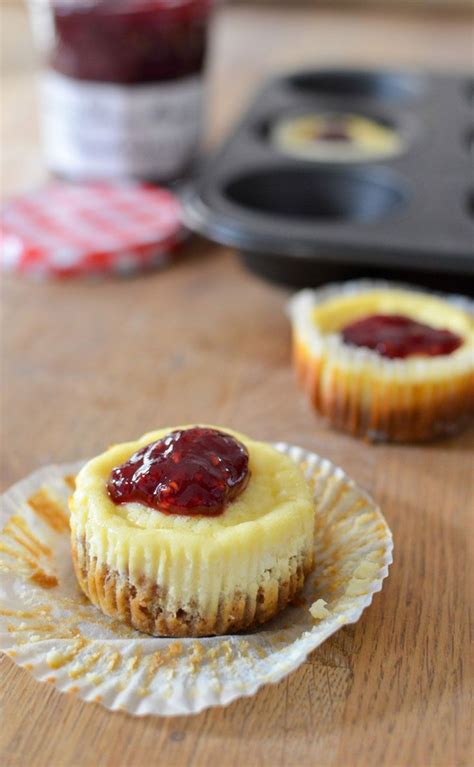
(49, 627)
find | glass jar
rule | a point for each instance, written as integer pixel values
(122, 86)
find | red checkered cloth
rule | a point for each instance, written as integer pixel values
(66, 230)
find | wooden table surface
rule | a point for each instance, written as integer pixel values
(87, 364)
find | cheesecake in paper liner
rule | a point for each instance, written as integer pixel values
(49, 627)
(359, 391)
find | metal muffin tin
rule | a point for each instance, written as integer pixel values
(302, 222)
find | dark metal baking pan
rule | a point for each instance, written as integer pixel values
(299, 221)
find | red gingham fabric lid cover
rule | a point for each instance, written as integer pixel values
(67, 230)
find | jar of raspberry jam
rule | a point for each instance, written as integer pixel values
(122, 86)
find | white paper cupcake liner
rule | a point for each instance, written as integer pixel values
(49, 627)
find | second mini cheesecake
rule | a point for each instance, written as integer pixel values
(383, 362)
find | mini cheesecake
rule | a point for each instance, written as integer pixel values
(192, 531)
(335, 137)
(385, 363)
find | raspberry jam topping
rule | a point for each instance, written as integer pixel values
(335, 131)
(397, 336)
(196, 471)
(129, 41)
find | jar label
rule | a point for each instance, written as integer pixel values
(105, 130)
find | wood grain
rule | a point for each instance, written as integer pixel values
(87, 364)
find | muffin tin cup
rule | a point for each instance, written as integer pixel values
(384, 87)
(411, 212)
(329, 195)
(49, 627)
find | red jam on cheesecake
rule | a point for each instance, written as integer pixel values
(189, 471)
(397, 337)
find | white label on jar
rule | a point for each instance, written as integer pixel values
(100, 130)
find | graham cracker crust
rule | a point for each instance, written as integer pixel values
(398, 412)
(143, 604)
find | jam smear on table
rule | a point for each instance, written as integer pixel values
(196, 471)
(397, 337)
(129, 41)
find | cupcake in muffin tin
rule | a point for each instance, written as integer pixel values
(336, 137)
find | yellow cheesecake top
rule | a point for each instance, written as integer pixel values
(333, 315)
(318, 318)
(309, 136)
